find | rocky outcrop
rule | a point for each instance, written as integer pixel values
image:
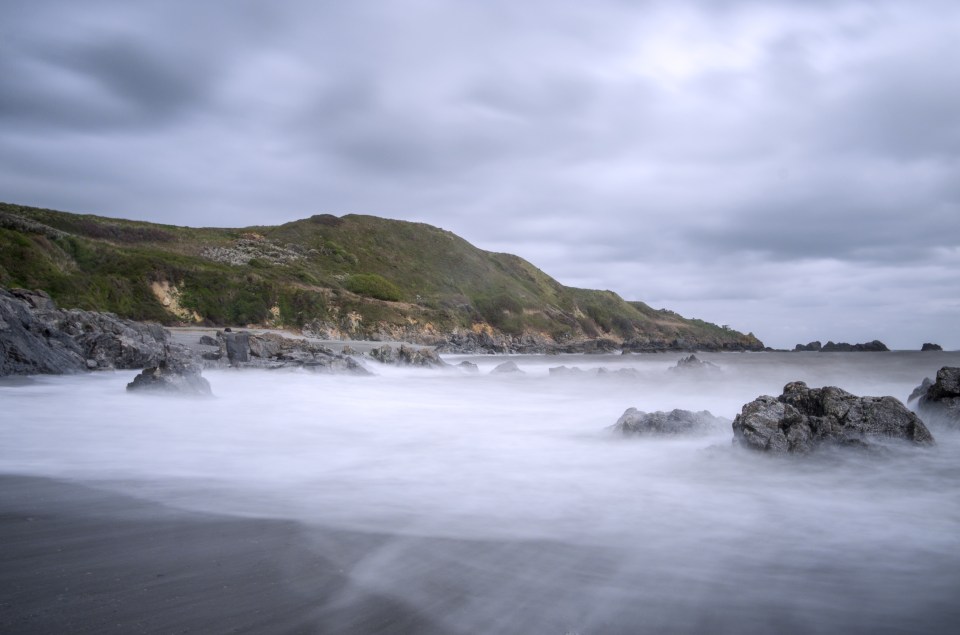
(38, 338)
(176, 375)
(803, 419)
(938, 402)
(811, 347)
(635, 422)
(927, 346)
(243, 349)
(876, 346)
(693, 364)
(407, 356)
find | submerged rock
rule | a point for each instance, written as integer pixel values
(468, 367)
(407, 356)
(505, 368)
(171, 377)
(695, 364)
(802, 419)
(635, 422)
(939, 401)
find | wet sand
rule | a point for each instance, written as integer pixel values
(79, 560)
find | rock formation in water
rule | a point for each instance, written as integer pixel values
(38, 338)
(506, 368)
(812, 346)
(939, 401)
(635, 422)
(244, 349)
(173, 376)
(407, 356)
(927, 346)
(876, 346)
(693, 364)
(803, 419)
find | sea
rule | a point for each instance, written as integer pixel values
(513, 506)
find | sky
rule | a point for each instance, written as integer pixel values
(785, 167)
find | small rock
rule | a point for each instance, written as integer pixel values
(693, 363)
(635, 422)
(469, 367)
(506, 367)
(927, 346)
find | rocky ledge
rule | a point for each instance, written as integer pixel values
(803, 419)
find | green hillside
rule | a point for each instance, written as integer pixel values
(352, 276)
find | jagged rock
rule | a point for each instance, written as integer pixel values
(171, 377)
(37, 337)
(469, 367)
(920, 390)
(348, 350)
(927, 346)
(206, 340)
(505, 368)
(812, 346)
(236, 346)
(407, 356)
(875, 346)
(693, 363)
(802, 419)
(635, 422)
(939, 401)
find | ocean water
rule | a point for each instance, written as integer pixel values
(512, 507)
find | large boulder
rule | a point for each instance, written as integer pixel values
(927, 346)
(635, 422)
(938, 402)
(803, 419)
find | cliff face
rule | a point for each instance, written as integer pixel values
(355, 277)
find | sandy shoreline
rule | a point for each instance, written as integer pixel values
(79, 560)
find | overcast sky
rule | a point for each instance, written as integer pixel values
(786, 167)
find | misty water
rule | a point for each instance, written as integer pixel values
(512, 508)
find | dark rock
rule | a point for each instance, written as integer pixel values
(505, 368)
(237, 346)
(927, 346)
(939, 401)
(37, 337)
(920, 390)
(812, 346)
(171, 377)
(206, 340)
(803, 419)
(693, 363)
(635, 422)
(876, 346)
(469, 367)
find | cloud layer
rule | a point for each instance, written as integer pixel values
(789, 168)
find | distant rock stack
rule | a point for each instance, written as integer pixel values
(876, 346)
(927, 346)
(812, 346)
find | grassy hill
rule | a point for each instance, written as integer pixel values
(352, 276)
